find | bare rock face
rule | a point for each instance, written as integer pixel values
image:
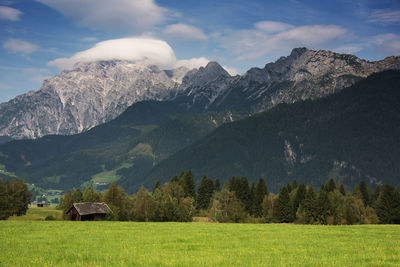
(307, 74)
(88, 95)
(304, 74)
(93, 93)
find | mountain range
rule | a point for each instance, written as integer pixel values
(208, 121)
(93, 93)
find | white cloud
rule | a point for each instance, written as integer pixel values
(232, 71)
(193, 63)
(117, 15)
(385, 16)
(273, 26)
(19, 46)
(386, 43)
(348, 49)
(185, 32)
(140, 50)
(9, 13)
(143, 50)
(276, 38)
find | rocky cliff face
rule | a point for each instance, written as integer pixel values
(304, 74)
(86, 96)
(93, 93)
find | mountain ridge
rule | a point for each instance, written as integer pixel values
(92, 93)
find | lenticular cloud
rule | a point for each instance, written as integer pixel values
(141, 50)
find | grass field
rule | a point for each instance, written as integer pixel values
(38, 214)
(64, 243)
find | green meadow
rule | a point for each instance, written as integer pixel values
(65, 243)
(38, 214)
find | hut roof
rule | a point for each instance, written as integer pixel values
(86, 208)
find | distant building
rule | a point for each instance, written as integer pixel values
(42, 204)
(88, 211)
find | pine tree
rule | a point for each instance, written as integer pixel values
(299, 198)
(385, 205)
(323, 207)
(364, 193)
(377, 192)
(342, 190)
(187, 183)
(217, 186)
(157, 186)
(310, 206)
(285, 206)
(261, 192)
(330, 185)
(204, 193)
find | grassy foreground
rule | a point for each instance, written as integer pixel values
(63, 243)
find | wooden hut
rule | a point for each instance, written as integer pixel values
(42, 204)
(88, 211)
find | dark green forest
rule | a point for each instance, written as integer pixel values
(239, 200)
(349, 136)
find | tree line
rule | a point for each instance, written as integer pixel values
(242, 201)
(14, 198)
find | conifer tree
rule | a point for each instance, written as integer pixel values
(330, 185)
(187, 182)
(364, 193)
(217, 186)
(157, 186)
(204, 193)
(342, 190)
(323, 207)
(386, 205)
(299, 198)
(260, 192)
(285, 206)
(377, 192)
(309, 206)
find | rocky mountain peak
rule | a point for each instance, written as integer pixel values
(78, 99)
(297, 52)
(204, 75)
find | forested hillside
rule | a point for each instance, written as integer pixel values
(350, 136)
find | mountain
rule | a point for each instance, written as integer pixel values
(135, 146)
(88, 95)
(304, 74)
(141, 137)
(92, 93)
(350, 136)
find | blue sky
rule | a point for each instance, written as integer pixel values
(38, 38)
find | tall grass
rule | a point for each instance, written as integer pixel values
(64, 243)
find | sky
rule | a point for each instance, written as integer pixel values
(39, 38)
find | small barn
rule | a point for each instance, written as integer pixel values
(88, 211)
(42, 204)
